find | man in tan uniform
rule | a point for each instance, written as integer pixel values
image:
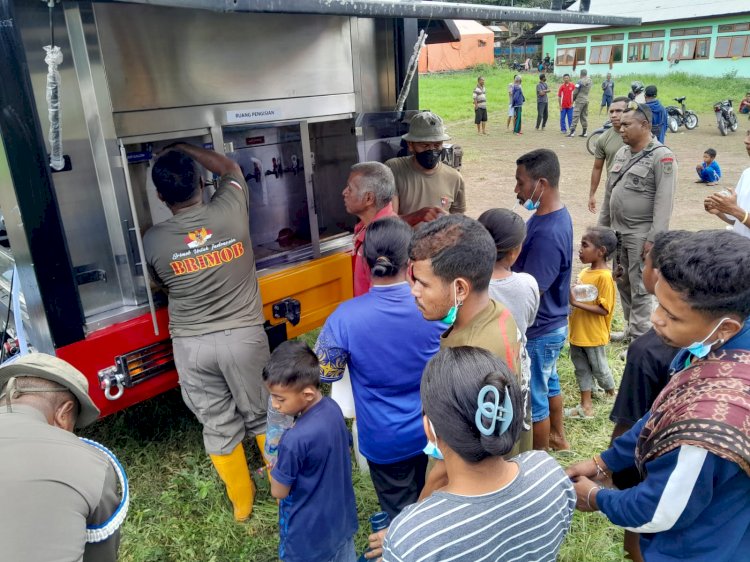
(581, 107)
(425, 187)
(53, 487)
(638, 203)
(204, 257)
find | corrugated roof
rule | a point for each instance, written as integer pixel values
(653, 11)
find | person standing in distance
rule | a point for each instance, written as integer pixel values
(215, 310)
(581, 109)
(480, 106)
(638, 203)
(425, 187)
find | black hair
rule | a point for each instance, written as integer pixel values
(386, 246)
(661, 242)
(566, 74)
(541, 163)
(711, 270)
(603, 237)
(711, 152)
(642, 109)
(451, 383)
(175, 177)
(624, 99)
(457, 247)
(506, 228)
(292, 364)
(543, 77)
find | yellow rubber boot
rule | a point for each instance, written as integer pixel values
(232, 469)
(261, 441)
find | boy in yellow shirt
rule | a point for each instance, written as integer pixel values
(590, 321)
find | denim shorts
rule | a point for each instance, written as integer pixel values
(545, 384)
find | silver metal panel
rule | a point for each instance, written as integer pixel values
(165, 57)
(374, 64)
(159, 121)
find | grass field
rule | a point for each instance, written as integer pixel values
(179, 511)
(449, 94)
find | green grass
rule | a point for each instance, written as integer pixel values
(449, 94)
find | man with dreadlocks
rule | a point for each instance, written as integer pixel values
(692, 449)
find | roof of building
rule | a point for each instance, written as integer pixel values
(471, 27)
(654, 11)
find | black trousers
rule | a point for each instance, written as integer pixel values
(398, 484)
(541, 114)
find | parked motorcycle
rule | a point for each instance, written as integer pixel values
(517, 66)
(678, 116)
(725, 117)
(591, 141)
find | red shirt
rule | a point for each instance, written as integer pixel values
(361, 269)
(566, 91)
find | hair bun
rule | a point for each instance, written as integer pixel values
(384, 267)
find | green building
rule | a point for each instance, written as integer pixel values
(706, 37)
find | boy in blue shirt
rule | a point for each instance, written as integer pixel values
(313, 474)
(708, 170)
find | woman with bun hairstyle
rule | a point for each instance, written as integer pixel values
(385, 342)
(492, 508)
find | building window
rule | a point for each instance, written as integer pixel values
(732, 46)
(650, 51)
(680, 31)
(571, 40)
(572, 56)
(608, 37)
(605, 54)
(689, 49)
(729, 28)
(646, 34)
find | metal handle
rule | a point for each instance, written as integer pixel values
(138, 237)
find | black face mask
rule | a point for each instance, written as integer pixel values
(428, 159)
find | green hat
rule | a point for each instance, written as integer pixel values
(56, 370)
(426, 126)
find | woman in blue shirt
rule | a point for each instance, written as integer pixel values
(385, 342)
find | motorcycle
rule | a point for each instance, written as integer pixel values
(677, 116)
(517, 66)
(725, 117)
(591, 141)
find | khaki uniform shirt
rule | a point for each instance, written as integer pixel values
(444, 188)
(607, 145)
(52, 485)
(582, 90)
(204, 257)
(504, 340)
(642, 201)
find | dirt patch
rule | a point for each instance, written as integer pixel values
(489, 167)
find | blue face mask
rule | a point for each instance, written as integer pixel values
(431, 449)
(700, 348)
(450, 318)
(530, 204)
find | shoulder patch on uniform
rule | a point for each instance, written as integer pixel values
(669, 159)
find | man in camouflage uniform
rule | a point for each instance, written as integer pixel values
(581, 107)
(638, 203)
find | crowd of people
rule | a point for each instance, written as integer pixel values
(451, 344)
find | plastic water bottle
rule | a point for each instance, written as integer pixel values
(378, 522)
(585, 293)
(276, 424)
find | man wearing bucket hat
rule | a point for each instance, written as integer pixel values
(425, 187)
(59, 493)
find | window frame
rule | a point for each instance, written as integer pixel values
(651, 34)
(571, 40)
(730, 40)
(641, 46)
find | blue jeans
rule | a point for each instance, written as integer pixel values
(566, 114)
(709, 175)
(545, 384)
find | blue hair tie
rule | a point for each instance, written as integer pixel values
(493, 411)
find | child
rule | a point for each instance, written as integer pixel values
(519, 292)
(745, 104)
(590, 322)
(708, 171)
(312, 476)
